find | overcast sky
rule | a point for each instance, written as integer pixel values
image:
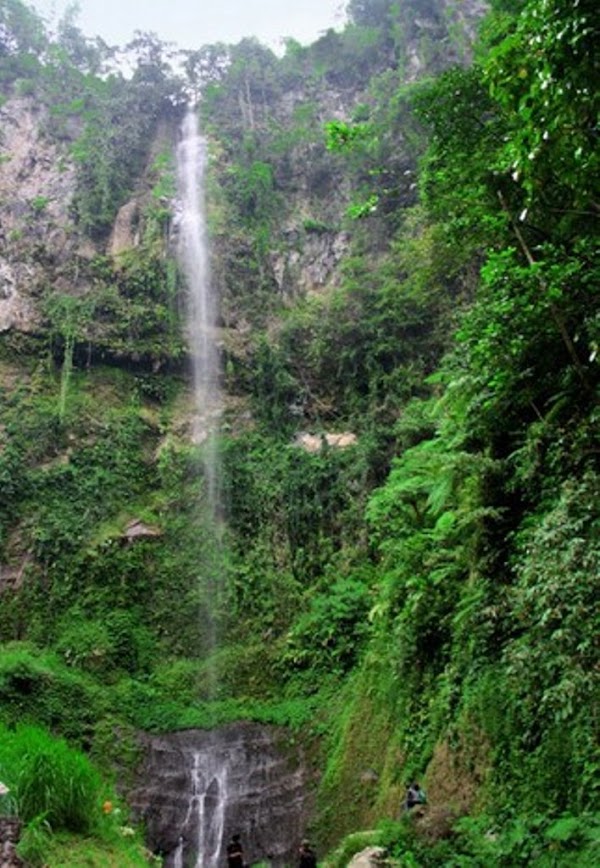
(193, 23)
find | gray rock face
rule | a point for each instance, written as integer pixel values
(309, 265)
(37, 180)
(198, 788)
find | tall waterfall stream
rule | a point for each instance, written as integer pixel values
(202, 303)
(207, 792)
(195, 788)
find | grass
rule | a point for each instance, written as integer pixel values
(70, 815)
(70, 851)
(49, 779)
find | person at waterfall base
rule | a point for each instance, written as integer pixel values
(306, 856)
(415, 795)
(235, 853)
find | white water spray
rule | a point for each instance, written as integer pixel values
(202, 830)
(202, 312)
(201, 324)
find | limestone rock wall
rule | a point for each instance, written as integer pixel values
(36, 186)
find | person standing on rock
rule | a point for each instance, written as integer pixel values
(235, 853)
(306, 855)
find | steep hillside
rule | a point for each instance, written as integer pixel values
(404, 567)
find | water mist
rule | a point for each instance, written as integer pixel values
(201, 300)
(202, 827)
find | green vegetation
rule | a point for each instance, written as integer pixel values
(479, 844)
(60, 797)
(47, 778)
(420, 601)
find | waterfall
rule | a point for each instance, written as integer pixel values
(197, 788)
(203, 824)
(201, 333)
(201, 307)
(202, 829)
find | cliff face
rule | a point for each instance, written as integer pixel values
(408, 452)
(196, 789)
(44, 253)
(97, 439)
(38, 238)
(44, 248)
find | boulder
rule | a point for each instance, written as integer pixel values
(137, 529)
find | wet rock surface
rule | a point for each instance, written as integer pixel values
(197, 788)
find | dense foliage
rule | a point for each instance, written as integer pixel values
(60, 796)
(423, 599)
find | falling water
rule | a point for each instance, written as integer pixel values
(201, 326)
(193, 253)
(203, 824)
(202, 830)
(197, 788)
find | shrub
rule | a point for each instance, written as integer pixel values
(33, 846)
(330, 634)
(49, 780)
(86, 645)
(39, 687)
